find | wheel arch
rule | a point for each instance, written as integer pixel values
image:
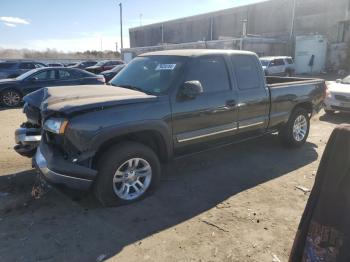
(304, 105)
(154, 136)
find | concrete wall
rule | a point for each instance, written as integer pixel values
(267, 19)
(261, 46)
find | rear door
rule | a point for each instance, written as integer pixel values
(212, 115)
(253, 102)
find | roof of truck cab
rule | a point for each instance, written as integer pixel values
(198, 52)
(275, 57)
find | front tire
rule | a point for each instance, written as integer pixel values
(11, 98)
(126, 173)
(296, 131)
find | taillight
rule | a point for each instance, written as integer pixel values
(101, 79)
(325, 91)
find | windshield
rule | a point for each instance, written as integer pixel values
(101, 63)
(26, 74)
(346, 80)
(265, 62)
(153, 74)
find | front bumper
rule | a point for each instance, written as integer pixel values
(27, 141)
(55, 169)
(331, 103)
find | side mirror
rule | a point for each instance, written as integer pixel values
(338, 81)
(191, 89)
(33, 79)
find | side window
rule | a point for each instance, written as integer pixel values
(246, 71)
(211, 71)
(289, 61)
(45, 75)
(64, 74)
(279, 62)
(77, 74)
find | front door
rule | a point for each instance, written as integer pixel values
(210, 117)
(39, 80)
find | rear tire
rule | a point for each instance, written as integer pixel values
(127, 172)
(11, 98)
(296, 130)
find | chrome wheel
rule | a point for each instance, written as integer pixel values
(11, 98)
(132, 179)
(300, 128)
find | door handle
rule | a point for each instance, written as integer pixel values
(231, 103)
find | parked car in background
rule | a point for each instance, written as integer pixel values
(109, 74)
(69, 64)
(103, 66)
(278, 65)
(338, 96)
(12, 90)
(12, 69)
(55, 65)
(84, 64)
(162, 105)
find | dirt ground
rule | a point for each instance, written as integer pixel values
(238, 203)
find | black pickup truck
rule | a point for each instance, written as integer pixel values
(162, 105)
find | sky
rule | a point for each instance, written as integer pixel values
(79, 25)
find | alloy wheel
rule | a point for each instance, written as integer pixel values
(132, 179)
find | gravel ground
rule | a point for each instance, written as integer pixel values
(238, 203)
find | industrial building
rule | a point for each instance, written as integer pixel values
(299, 28)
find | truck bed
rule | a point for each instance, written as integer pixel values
(286, 92)
(273, 81)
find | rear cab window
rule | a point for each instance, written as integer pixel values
(211, 72)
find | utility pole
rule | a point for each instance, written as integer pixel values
(121, 27)
(293, 19)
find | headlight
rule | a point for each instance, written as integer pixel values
(56, 125)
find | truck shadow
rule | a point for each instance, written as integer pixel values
(73, 227)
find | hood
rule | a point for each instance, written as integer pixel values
(35, 98)
(8, 81)
(72, 99)
(5, 83)
(335, 87)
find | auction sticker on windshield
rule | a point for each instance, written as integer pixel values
(165, 67)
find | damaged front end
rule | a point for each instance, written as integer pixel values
(28, 136)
